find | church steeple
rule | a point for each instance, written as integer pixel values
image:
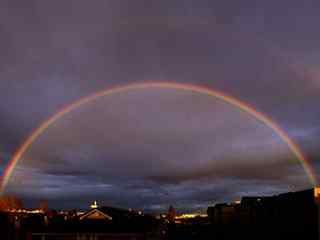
(94, 205)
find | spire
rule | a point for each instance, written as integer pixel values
(94, 205)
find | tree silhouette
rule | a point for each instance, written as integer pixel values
(10, 202)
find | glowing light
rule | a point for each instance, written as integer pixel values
(170, 85)
(190, 215)
(94, 205)
(316, 192)
(34, 211)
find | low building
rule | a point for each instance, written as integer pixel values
(289, 215)
(95, 214)
(223, 213)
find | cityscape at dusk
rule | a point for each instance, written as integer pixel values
(159, 119)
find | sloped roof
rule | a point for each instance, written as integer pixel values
(95, 214)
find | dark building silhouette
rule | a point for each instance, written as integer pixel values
(290, 215)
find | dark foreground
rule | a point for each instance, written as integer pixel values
(285, 216)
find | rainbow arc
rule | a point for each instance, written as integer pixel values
(169, 85)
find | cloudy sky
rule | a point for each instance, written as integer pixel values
(149, 148)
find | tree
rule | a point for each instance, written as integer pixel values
(171, 213)
(10, 202)
(43, 205)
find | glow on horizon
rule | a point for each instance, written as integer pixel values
(158, 84)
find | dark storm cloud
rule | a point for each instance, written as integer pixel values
(191, 195)
(267, 172)
(266, 53)
(172, 148)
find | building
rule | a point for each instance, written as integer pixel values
(289, 215)
(95, 214)
(223, 213)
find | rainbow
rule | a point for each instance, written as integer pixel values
(169, 85)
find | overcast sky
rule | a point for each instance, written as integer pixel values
(149, 148)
